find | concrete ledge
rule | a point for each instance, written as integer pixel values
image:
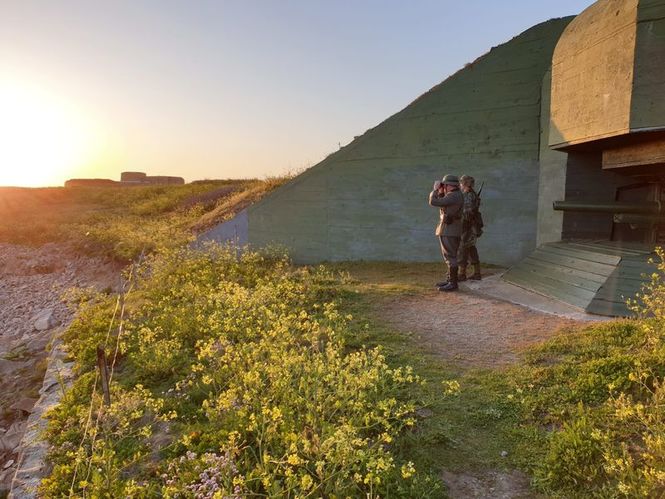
(32, 466)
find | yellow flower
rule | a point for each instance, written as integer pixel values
(293, 459)
(306, 482)
(408, 470)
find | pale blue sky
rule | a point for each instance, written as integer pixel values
(216, 89)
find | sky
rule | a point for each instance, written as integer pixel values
(223, 89)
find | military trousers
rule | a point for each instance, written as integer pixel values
(449, 249)
(470, 253)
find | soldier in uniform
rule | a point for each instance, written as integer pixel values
(470, 230)
(448, 197)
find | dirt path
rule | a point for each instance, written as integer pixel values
(469, 329)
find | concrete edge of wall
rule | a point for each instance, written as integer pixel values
(234, 231)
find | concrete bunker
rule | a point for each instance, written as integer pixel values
(566, 115)
(607, 122)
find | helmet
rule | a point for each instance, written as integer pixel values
(467, 180)
(450, 180)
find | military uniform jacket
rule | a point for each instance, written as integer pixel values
(451, 206)
(470, 229)
(471, 206)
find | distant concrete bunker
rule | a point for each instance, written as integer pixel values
(126, 179)
(570, 111)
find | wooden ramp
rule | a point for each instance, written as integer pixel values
(597, 276)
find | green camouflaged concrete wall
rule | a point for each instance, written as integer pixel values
(592, 74)
(648, 105)
(369, 199)
(552, 182)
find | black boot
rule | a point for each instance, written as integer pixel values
(476, 272)
(462, 273)
(452, 284)
(445, 281)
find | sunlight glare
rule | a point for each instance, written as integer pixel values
(43, 138)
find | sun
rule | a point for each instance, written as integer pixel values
(43, 138)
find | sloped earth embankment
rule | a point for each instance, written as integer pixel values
(32, 313)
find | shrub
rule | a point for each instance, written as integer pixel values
(248, 389)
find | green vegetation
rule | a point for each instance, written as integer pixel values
(252, 376)
(469, 417)
(584, 414)
(600, 394)
(235, 377)
(123, 222)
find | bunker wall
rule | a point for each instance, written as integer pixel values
(369, 200)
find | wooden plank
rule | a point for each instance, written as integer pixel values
(555, 294)
(621, 288)
(610, 308)
(590, 276)
(528, 276)
(546, 291)
(566, 293)
(608, 249)
(619, 295)
(622, 245)
(583, 254)
(559, 275)
(603, 253)
(629, 277)
(633, 273)
(642, 153)
(596, 268)
(630, 262)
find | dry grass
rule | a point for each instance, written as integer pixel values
(248, 193)
(123, 221)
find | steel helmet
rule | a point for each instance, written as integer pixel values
(450, 180)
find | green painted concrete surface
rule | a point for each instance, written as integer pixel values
(369, 199)
(552, 179)
(648, 105)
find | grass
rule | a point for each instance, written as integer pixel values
(122, 222)
(466, 431)
(582, 413)
(386, 278)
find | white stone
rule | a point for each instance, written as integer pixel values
(44, 320)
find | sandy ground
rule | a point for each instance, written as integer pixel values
(472, 330)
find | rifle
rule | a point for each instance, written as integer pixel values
(479, 217)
